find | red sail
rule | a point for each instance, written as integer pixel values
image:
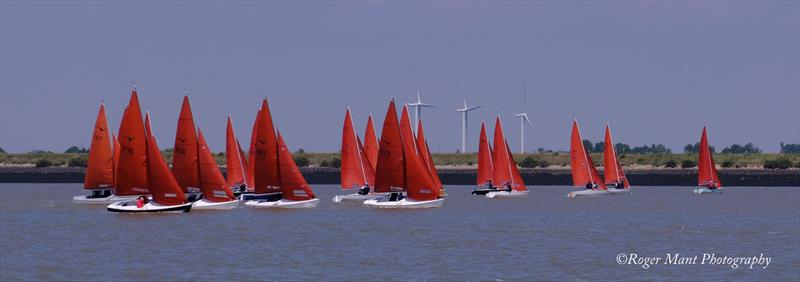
(419, 184)
(132, 172)
(390, 170)
(502, 171)
(425, 153)
(485, 166)
(116, 157)
(370, 171)
(212, 184)
(100, 167)
(251, 154)
(293, 184)
(613, 170)
(355, 167)
(184, 156)
(163, 185)
(236, 165)
(583, 170)
(706, 170)
(267, 176)
(371, 143)
(517, 184)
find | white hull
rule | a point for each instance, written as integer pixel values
(356, 198)
(588, 193)
(283, 204)
(84, 199)
(404, 203)
(204, 204)
(130, 207)
(706, 190)
(614, 191)
(506, 194)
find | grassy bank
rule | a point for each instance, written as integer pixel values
(470, 159)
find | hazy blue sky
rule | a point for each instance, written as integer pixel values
(657, 71)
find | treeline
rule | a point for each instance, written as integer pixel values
(622, 148)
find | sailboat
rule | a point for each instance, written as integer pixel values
(278, 181)
(236, 162)
(216, 194)
(184, 157)
(584, 174)
(485, 165)
(266, 174)
(251, 163)
(356, 171)
(167, 194)
(411, 174)
(295, 192)
(505, 173)
(614, 175)
(131, 173)
(100, 172)
(706, 169)
(371, 143)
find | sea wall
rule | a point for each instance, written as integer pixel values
(449, 176)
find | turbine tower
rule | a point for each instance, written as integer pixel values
(523, 118)
(417, 105)
(464, 112)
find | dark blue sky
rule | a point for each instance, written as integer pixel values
(656, 71)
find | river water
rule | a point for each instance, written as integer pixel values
(44, 236)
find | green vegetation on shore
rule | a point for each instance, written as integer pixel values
(539, 159)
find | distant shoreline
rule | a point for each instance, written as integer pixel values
(466, 176)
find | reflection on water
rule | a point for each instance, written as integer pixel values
(44, 236)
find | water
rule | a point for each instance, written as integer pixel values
(44, 236)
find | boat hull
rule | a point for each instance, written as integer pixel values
(405, 203)
(204, 204)
(483, 191)
(356, 198)
(614, 191)
(286, 204)
(253, 196)
(705, 191)
(506, 194)
(588, 193)
(85, 199)
(151, 207)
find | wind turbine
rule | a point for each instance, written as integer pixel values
(417, 105)
(523, 118)
(464, 112)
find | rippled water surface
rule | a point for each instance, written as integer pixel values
(44, 236)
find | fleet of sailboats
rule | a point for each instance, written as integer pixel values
(395, 171)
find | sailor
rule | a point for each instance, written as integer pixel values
(508, 187)
(95, 194)
(620, 185)
(242, 188)
(363, 190)
(140, 202)
(589, 186)
(712, 185)
(489, 184)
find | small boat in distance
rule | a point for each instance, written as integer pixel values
(706, 169)
(584, 174)
(485, 165)
(100, 169)
(216, 194)
(235, 162)
(167, 194)
(295, 192)
(505, 173)
(615, 178)
(422, 191)
(184, 156)
(356, 171)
